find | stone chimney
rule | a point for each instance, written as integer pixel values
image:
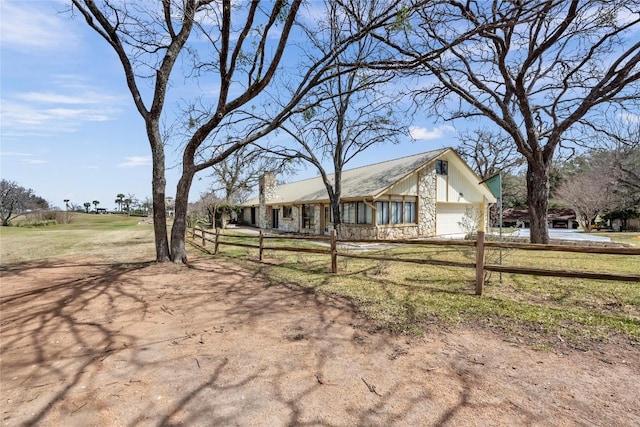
(267, 187)
(266, 192)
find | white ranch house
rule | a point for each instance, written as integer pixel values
(423, 195)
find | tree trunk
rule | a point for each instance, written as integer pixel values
(538, 200)
(334, 197)
(179, 229)
(158, 184)
(335, 211)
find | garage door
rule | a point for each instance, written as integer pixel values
(448, 217)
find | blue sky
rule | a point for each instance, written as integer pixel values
(69, 129)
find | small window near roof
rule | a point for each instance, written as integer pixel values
(442, 167)
(286, 211)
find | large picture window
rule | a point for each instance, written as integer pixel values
(382, 209)
(396, 212)
(356, 213)
(308, 216)
(365, 213)
(409, 212)
(348, 211)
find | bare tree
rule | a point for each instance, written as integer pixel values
(588, 193)
(242, 51)
(152, 39)
(235, 177)
(488, 152)
(347, 115)
(623, 157)
(537, 69)
(16, 200)
(317, 66)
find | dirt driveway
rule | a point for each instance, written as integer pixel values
(86, 342)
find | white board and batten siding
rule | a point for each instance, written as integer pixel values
(456, 192)
(405, 187)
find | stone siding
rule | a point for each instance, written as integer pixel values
(266, 192)
(427, 196)
(369, 232)
(290, 224)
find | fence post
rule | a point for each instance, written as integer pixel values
(334, 252)
(261, 246)
(479, 262)
(204, 241)
(193, 232)
(216, 242)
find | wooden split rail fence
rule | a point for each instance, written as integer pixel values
(217, 238)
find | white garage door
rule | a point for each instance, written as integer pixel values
(448, 217)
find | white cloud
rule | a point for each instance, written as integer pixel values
(87, 97)
(27, 118)
(135, 161)
(14, 154)
(63, 109)
(33, 161)
(25, 158)
(424, 134)
(29, 27)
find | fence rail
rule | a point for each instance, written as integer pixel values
(217, 238)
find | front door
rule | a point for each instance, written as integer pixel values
(275, 217)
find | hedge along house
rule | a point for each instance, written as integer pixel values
(423, 195)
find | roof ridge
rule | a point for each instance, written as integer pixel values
(332, 174)
(396, 159)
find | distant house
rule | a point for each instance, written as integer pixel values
(422, 195)
(556, 218)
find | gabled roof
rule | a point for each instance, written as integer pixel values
(363, 182)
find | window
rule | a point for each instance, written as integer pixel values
(348, 211)
(396, 212)
(442, 167)
(365, 213)
(409, 212)
(286, 211)
(382, 209)
(308, 216)
(356, 213)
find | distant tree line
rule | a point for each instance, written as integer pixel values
(16, 200)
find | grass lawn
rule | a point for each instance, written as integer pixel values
(406, 297)
(402, 297)
(114, 237)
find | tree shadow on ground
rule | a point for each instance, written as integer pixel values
(51, 328)
(213, 344)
